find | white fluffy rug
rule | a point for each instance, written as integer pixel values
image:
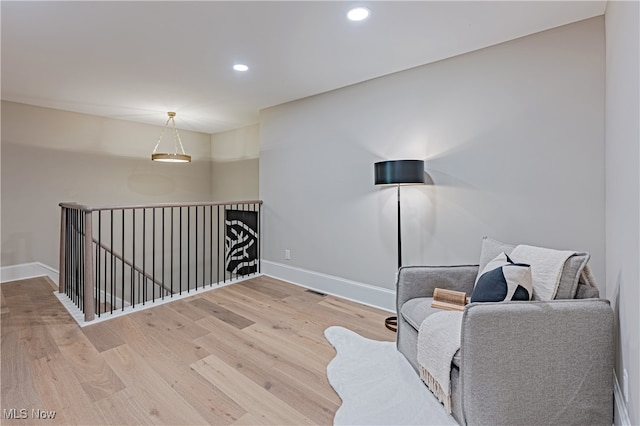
(377, 384)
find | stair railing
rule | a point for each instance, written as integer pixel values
(114, 258)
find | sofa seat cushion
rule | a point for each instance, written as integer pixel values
(414, 311)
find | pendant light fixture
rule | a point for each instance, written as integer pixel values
(176, 156)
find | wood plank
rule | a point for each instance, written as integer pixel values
(18, 389)
(102, 338)
(284, 286)
(37, 341)
(183, 308)
(251, 419)
(229, 345)
(275, 369)
(95, 376)
(158, 399)
(251, 396)
(251, 305)
(316, 353)
(267, 288)
(21, 315)
(122, 408)
(170, 323)
(62, 392)
(304, 324)
(4, 307)
(207, 399)
(170, 334)
(221, 313)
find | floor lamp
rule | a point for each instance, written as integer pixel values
(398, 172)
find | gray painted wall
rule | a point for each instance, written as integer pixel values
(623, 188)
(49, 156)
(513, 136)
(234, 170)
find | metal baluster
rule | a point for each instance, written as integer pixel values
(204, 238)
(133, 258)
(80, 261)
(259, 219)
(196, 262)
(244, 220)
(211, 245)
(180, 247)
(123, 267)
(218, 248)
(153, 257)
(188, 249)
(172, 250)
(144, 256)
(113, 266)
(70, 254)
(99, 258)
(106, 270)
(164, 281)
(73, 258)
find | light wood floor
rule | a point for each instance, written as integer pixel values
(250, 353)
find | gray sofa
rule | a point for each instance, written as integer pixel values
(519, 362)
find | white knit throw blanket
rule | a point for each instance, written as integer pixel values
(546, 268)
(438, 342)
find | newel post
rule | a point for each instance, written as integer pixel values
(89, 302)
(63, 246)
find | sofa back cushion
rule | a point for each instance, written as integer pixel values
(568, 286)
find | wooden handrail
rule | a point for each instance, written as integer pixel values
(72, 205)
(126, 262)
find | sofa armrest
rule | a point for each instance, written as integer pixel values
(537, 362)
(420, 281)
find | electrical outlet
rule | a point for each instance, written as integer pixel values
(625, 385)
(287, 254)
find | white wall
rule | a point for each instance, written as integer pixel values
(50, 156)
(513, 138)
(623, 188)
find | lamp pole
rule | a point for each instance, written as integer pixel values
(399, 233)
(399, 172)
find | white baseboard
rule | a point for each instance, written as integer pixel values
(26, 271)
(362, 293)
(366, 294)
(620, 412)
(78, 315)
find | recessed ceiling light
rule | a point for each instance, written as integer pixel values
(358, 14)
(240, 67)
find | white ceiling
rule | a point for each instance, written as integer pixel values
(138, 60)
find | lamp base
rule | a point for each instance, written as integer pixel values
(391, 323)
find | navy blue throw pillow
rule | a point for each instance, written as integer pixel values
(501, 280)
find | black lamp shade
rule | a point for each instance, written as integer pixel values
(399, 172)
